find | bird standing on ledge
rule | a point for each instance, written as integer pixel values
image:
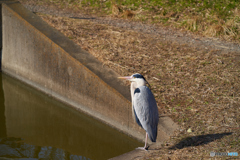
(144, 106)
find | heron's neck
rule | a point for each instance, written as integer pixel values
(132, 89)
(135, 85)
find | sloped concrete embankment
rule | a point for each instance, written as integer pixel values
(39, 55)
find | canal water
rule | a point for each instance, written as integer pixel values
(35, 125)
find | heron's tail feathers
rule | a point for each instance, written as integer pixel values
(152, 134)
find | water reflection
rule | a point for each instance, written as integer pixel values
(13, 148)
(34, 125)
(2, 110)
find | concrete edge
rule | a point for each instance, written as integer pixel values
(69, 48)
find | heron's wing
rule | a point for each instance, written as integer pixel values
(136, 117)
(146, 111)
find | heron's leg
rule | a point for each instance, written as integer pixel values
(145, 146)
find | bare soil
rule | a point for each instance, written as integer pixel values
(195, 79)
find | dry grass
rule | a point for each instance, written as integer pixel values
(208, 18)
(199, 89)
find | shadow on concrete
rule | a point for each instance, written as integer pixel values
(199, 140)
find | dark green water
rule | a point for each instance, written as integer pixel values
(36, 126)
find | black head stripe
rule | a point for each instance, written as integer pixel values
(138, 76)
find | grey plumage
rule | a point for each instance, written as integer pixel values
(144, 106)
(146, 111)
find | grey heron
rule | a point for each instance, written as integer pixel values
(144, 106)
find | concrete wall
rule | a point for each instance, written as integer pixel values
(39, 55)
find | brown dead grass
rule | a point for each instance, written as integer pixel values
(205, 24)
(199, 89)
(119, 12)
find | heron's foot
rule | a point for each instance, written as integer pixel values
(143, 148)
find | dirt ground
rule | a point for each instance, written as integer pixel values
(195, 80)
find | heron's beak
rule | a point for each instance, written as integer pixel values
(126, 78)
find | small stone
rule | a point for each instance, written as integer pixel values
(189, 130)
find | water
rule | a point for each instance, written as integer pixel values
(34, 125)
